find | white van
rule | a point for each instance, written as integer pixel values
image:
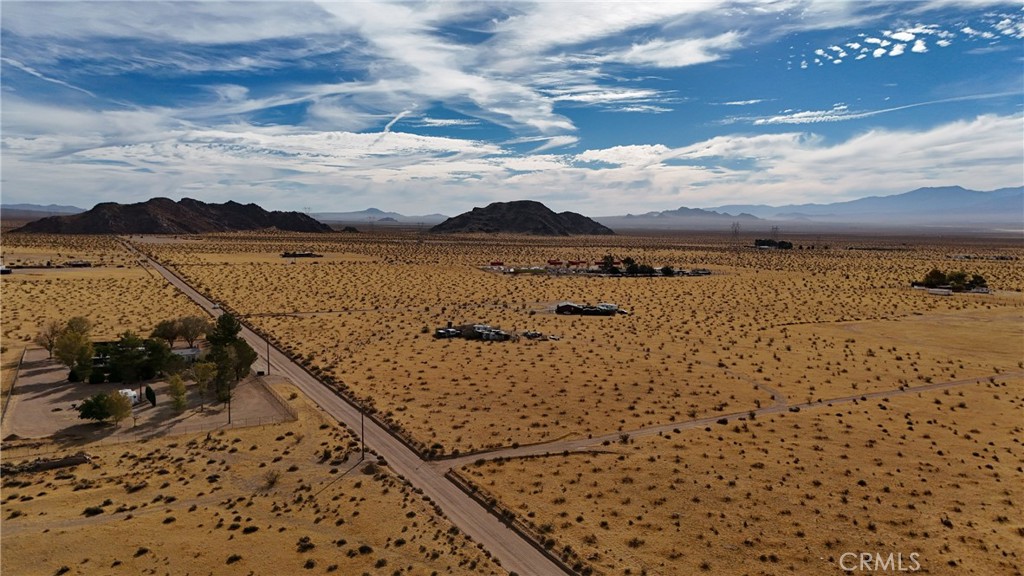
(131, 395)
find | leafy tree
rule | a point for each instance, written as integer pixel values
(977, 281)
(47, 337)
(158, 358)
(225, 331)
(244, 358)
(632, 268)
(74, 350)
(120, 407)
(668, 271)
(167, 330)
(957, 280)
(80, 325)
(128, 358)
(204, 374)
(95, 407)
(608, 262)
(225, 358)
(645, 269)
(934, 278)
(190, 328)
(176, 389)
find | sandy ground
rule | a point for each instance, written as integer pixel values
(935, 474)
(279, 499)
(814, 323)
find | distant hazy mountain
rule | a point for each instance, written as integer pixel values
(48, 209)
(165, 216)
(34, 211)
(521, 217)
(376, 215)
(945, 206)
(680, 218)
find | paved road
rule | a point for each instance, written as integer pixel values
(514, 553)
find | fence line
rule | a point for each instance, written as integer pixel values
(514, 523)
(280, 399)
(17, 370)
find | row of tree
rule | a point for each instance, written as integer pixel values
(770, 243)
(957, 281)
(633, 268)
(132, 359)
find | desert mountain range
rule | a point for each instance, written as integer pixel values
(165, 216)
(949, 206)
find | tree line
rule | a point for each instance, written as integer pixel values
(131, 359)
(957, 281)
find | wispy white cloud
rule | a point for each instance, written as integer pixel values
(445, 122)
(676, 53)
(743, 102)
(41, 76)
(842, 112)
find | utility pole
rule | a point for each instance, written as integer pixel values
(362, 435)
(267, 340)
(736, 242)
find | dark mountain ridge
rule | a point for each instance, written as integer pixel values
(165, 216)
(521, 217)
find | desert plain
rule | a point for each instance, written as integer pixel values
(791, 408)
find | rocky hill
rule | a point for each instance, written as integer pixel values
(165, 216)
(521, 217)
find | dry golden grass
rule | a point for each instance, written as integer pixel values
(777, 494)
(280, 499)
(692, 347)
(38, 249)
(936, 474)
(114, 298)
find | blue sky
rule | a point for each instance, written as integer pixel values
(601, 108)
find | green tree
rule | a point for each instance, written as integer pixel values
(243, 358)
(47, 337)
(74, 350)
(203, 373)
(668, 271)
(96, 407)
(957, 280)
(977, 281)
(934, 278)
(120, 407)
(79, 325)
(176, 390)
(225, 359)
(190, 328)
(158, 359)
(168, 331)
(128, 358)
(225, 331)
